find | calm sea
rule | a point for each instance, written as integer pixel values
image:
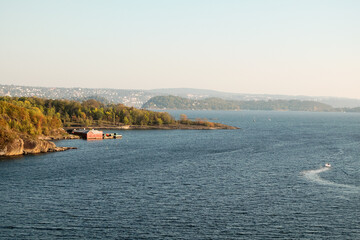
(264, 181)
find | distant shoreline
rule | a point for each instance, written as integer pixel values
(157, 127)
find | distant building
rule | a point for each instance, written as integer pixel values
(88, 134)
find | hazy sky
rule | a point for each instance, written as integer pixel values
(303, 47)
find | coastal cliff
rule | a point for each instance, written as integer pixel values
(22, 145)
(25, 129)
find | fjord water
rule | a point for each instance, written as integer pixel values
(264, 181)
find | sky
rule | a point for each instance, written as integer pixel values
(302, 47)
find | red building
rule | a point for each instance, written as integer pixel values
(88, 134)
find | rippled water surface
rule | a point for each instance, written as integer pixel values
(264, 181)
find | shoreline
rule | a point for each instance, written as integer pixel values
(26, 145)
(44, 144)
(154, 127)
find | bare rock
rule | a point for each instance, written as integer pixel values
(28, 145)
(15, 147)
(60, 149)
(37, 146)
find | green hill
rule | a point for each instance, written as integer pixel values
(173, 102)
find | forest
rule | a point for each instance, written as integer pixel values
(38, 116)
(41, 111)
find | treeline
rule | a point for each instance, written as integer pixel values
(23, 117)
(174, 102)
(86, 113)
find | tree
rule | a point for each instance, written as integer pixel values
(126, 121)
(159, 121)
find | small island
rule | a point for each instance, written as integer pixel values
(27, 124)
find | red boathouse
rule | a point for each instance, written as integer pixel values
(88, 134)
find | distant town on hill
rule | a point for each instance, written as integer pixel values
(138, 98)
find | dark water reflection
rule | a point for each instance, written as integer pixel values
(256, 183)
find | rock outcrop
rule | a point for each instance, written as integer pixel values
(15, 147)
(26, 145)
(37, 146)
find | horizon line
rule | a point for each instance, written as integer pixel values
(189, 88)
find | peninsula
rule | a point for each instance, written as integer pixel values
(28, 123)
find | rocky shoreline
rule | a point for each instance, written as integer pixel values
(25, 145)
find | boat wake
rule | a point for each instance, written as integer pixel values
(313, 175)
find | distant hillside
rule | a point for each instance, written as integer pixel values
(131, 98)
(136, 98)
(198, 94)
(173, 102)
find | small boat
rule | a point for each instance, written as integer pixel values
(111, 136)
(327, 165)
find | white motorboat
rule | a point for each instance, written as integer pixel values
(327, 165)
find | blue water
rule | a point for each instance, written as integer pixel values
(264, 181)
